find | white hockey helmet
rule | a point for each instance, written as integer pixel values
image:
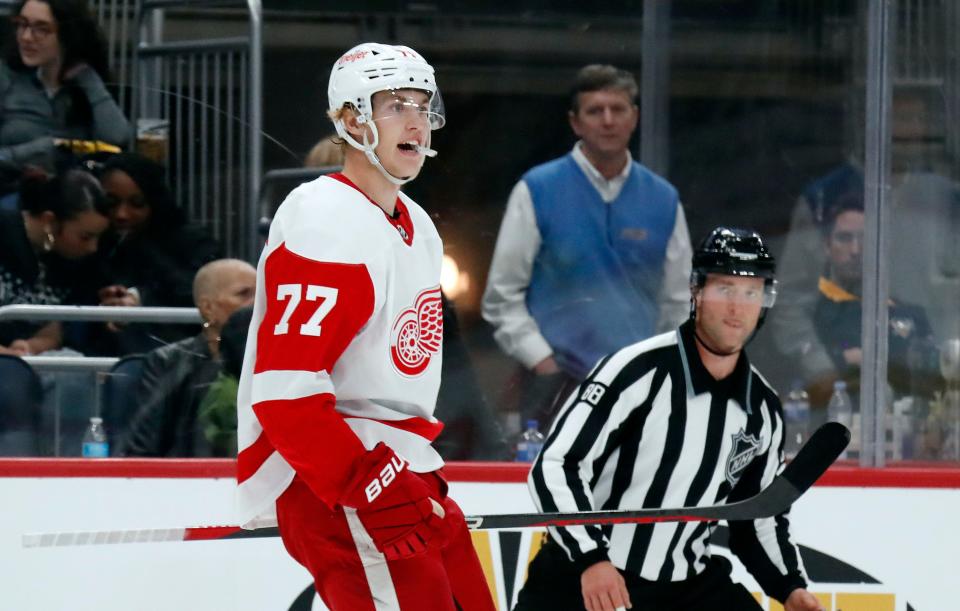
(372, 67)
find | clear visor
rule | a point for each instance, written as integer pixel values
(410, 103)
(764, 295)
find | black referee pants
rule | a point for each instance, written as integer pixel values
(554, 585)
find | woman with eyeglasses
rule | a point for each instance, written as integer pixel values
(52, 86)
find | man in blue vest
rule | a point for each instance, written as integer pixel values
(593, 252)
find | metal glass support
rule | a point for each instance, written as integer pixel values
(655, 87)
(256, 119)
(876, 285)
(209, 90)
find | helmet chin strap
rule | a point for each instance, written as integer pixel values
(368, 149)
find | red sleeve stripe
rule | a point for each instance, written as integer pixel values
(418, 426)
(313, 439)
(280, 385)
(251, 458)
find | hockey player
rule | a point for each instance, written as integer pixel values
(680, 419)
(343, 363)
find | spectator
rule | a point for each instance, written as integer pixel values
(59, 225)
(45, 261)
(151, 254)
(52, 86)
(792, 328)
(326, 153)
(837, 313)
(217, 417)
(920, 205)
(176, 377)
(21, 400)
(593, 253)
(920, 197)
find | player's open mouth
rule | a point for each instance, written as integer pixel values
(415, 148)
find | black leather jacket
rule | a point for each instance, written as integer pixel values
(175, 379)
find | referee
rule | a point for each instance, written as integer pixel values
(680, 419)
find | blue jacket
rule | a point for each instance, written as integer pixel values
(597, 276)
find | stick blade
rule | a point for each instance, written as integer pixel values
(816, 456)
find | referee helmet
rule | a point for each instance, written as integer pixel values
(735, 252)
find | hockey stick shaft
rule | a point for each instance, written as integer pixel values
(813, 459)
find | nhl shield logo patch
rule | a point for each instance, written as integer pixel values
(745, 447)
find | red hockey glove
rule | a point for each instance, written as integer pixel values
(394, 504)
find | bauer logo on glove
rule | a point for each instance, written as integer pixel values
(387, 475)
(395, 505)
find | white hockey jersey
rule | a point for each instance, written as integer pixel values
(344, 346)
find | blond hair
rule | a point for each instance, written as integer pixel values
(328, 151)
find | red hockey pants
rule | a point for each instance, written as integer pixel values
(351, 575)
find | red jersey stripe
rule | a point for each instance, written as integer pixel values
(250, 458)
(418, 426)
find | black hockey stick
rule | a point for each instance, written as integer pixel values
(813, 459)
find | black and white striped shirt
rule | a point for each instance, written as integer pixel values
(650, 427)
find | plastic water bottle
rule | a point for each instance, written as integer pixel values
(796, 413)
(95, 444)
(840, 409)
(530, 444)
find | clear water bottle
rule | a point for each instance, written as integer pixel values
(840, 409)
(531, 442)
(796, 414)
(95, 444)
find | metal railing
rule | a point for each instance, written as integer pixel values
(71, 363)
(121, 314)
(98, 366)
(116, 18)
(69, 313)
(207, 94)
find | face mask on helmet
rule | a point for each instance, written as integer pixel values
(736, 252)
(399, 104)
(763, 294)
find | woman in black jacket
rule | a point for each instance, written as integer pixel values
(44, 243)
(151, 254)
